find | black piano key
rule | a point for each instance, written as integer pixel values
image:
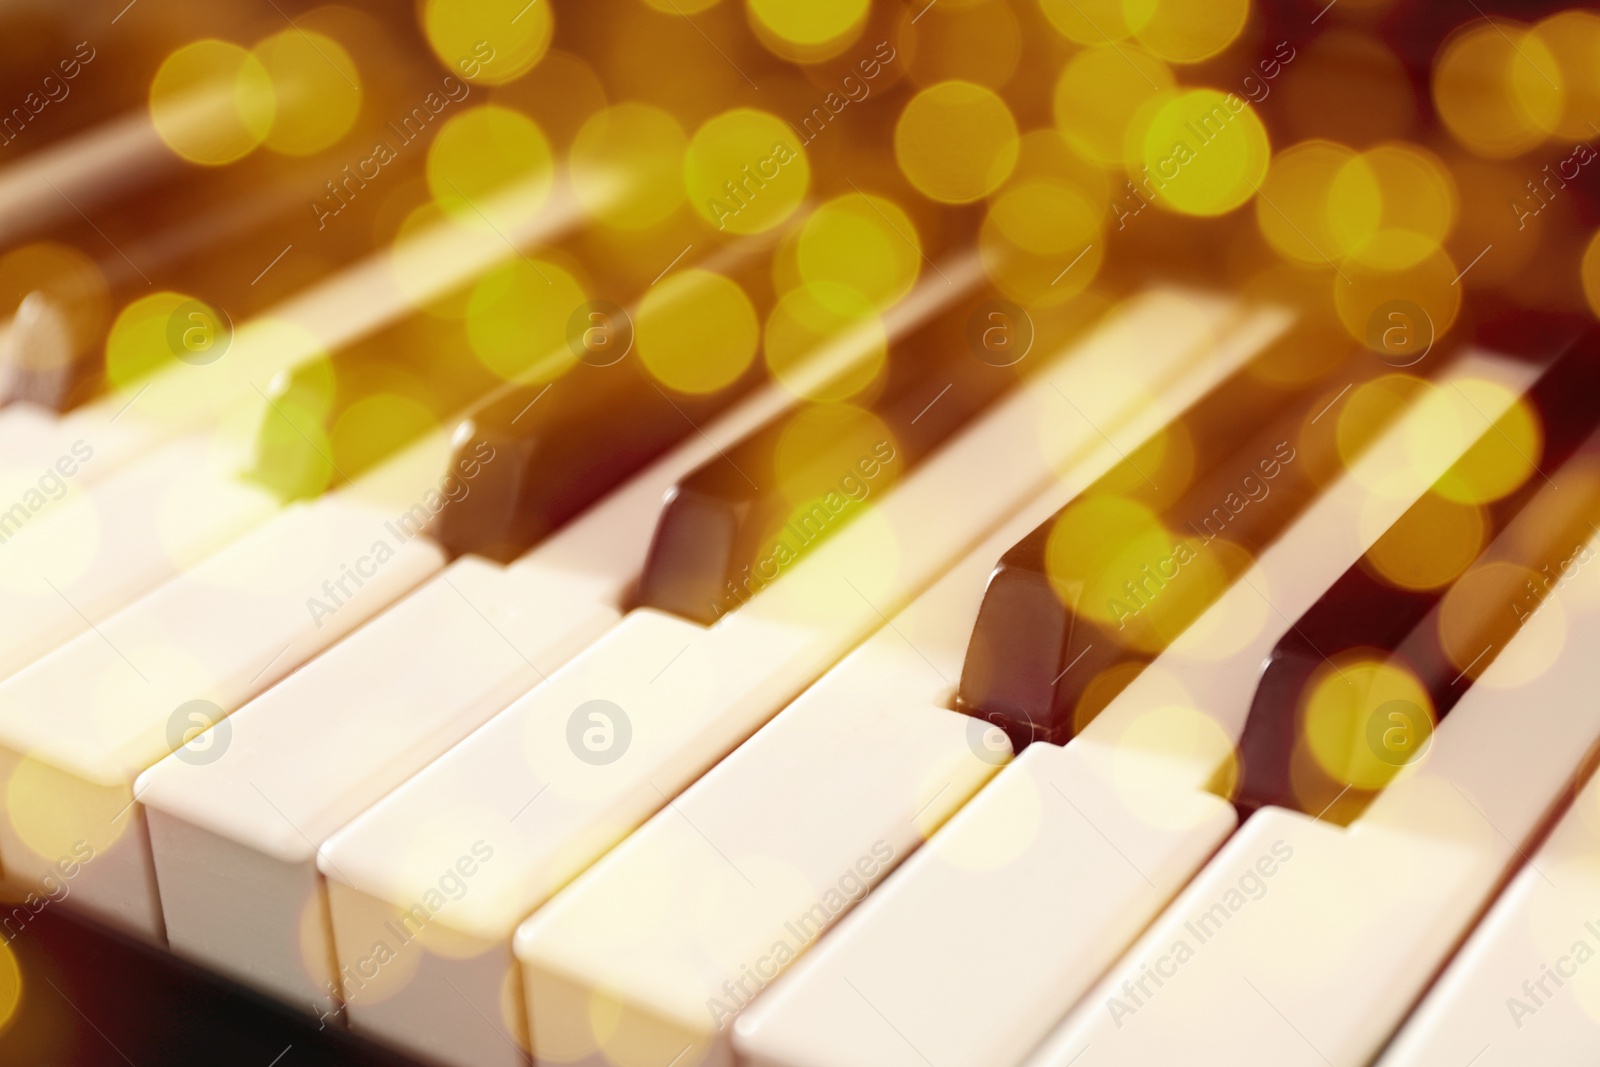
(1050, 647)
(1365, 618)
(560, 446)
(731, 525)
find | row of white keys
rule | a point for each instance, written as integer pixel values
(212, 387)
(117, 523)
(235, 838)
(983, 940)
(77, 727)
(563, 774)
(1307, 943)
(670, 935)
(1522, 990)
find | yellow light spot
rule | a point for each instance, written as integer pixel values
(681, 7)
(506, 37)
(1040, 243)
(1099, 93)
(138, 343)
(822, 444)
(490, 167)
(1369, 409)
(378, 426)
(1392, 206)
(1573, 40)
(824, 314)
(10, 984)
(1160, 740)
(1186, 31)
(867, 243)
(212, 102)
(1206, 152)
(697, 331)
(956, 142)
(60, 816)
(1088, 22)
(633, 143)
(1097, 544)
(1503, 457)
(1589, 271)
(745, 171)
(1367, 721)
(1293, 211)
(1431, 545)
(517, 320)
(1398, 313)
(1498, 88)
(810, 22)
(316, 87)
(292, 450)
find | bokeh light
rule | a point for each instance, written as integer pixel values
(507, 37)
(745, 171)
(517, 319)
(1294, 212)
(636, 144)
(867, 243)
(1186, 31)
(1392, 206)
(212, 102)
(1205, 151)
(316, 87)
(478, 155)
(696, 331)
(1497, 87)
(1099, 92)
(956, 142)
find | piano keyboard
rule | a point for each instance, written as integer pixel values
(798, 533)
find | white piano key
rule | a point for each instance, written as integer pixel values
(1522, 989)
(718, 893)
(1322, 964)
(240, 890)
(77, 727)
(987, 937)
(526, 810)
(78, 557)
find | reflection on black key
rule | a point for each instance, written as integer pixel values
(561, 446)
(331, 419)
(1079, 606)
(1351, 694)
(730, 527)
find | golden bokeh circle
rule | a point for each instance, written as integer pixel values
(212, 102)
(745, 172)
(696, 331)
(317, 90)
(507, 37)
(956, 142)
(1205, 150)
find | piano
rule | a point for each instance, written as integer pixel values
(799, 533)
